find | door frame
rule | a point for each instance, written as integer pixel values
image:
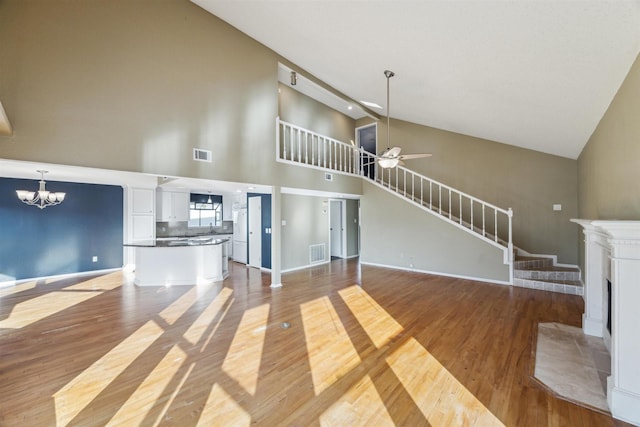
(256, 240)
(342, 203)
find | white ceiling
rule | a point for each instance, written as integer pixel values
(320, 94)
(535, 74)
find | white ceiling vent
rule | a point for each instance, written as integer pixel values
(328, 177)
(201, 155)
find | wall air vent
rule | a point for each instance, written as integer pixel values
(328, 177)
(201, 155)
(316, 253)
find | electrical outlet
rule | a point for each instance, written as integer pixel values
(94, 259)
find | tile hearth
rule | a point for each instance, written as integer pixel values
(572, 364)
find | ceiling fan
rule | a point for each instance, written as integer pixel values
(391, 156)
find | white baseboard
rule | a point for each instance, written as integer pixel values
(591, 326)
(58, 276)
(289, 270)
(438, 273)
(624, 405)
(7, 281)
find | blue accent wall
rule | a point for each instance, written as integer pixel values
(266, 223)
(60, 239)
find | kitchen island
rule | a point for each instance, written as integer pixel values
(180, 261)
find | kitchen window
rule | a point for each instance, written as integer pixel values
(205, 210)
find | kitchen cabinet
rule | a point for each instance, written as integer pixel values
(172, 206)
(227, 203)
(229, 244)
(142, 201)
(188, 262)
(142, 227)
(139, 218)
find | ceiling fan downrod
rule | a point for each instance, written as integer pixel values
(388, 74)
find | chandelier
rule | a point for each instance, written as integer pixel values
(41, 198)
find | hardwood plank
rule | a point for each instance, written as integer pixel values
(365, 345)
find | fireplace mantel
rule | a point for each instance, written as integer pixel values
(612, 251)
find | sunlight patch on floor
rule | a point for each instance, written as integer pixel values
(135, 409)
(376, 322)
(331, 352)
(35, 309)
(179, 306)
(18, 288)
(442, 399)
(217, 325)
(222, 410)
(76, 395)
(169, 401)
(100, 283)
(361, 405)
(199, 327)
(242, 362)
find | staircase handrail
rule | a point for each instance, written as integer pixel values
(343, 158)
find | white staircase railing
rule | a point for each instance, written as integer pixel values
(488, 222)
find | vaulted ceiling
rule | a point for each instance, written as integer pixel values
(535, 74)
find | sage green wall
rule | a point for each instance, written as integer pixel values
(609, 165)
(402, 235)
(528, 181)
(307, 223)
(135, 85)
(297, 108)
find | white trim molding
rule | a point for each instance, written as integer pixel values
(438, 273)
(612, 251)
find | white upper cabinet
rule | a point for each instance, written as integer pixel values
(142, 201)
(172, 206)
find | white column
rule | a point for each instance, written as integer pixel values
(623, 386)
(595, 276)
(276, 237)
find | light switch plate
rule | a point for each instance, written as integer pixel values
(557, 207)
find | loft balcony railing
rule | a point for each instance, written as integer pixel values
(302, 147)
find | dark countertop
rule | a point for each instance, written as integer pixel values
(177, 242)
(190, 236)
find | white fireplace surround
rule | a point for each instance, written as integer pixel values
(612, 252)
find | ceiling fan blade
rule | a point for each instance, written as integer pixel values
(415, 156)
(392, 152)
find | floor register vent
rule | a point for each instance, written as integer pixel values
(202, 155)
(316, 253)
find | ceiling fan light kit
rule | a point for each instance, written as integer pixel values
(387, 163)
(391, 156)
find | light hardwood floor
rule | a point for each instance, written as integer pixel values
(364, 346)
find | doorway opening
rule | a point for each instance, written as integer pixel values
(367, 139)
